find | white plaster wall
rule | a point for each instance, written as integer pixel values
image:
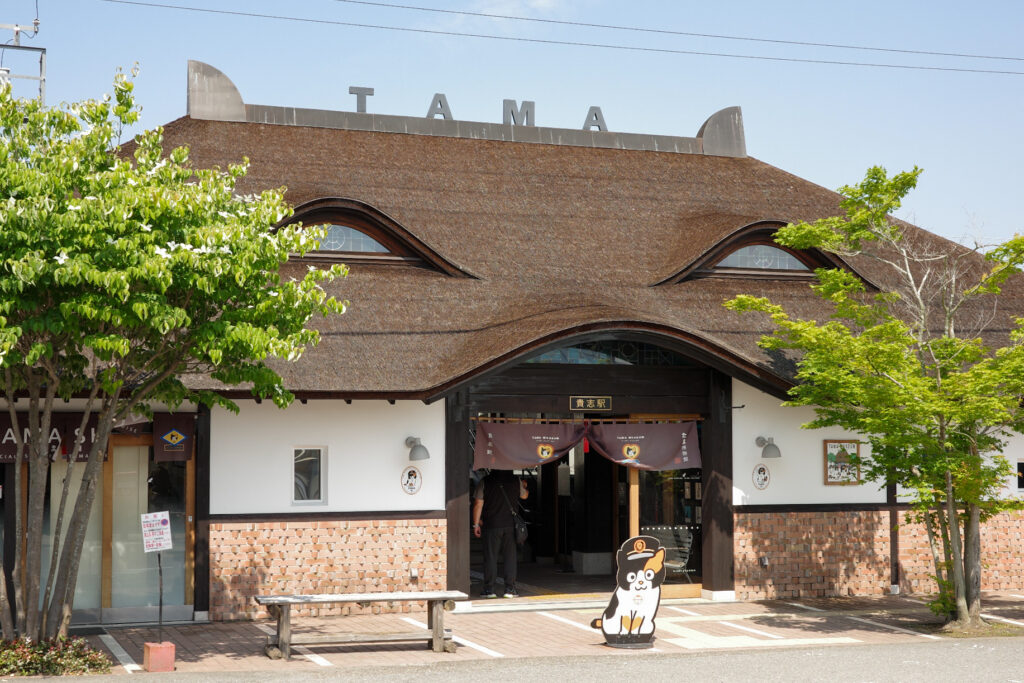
(1014, 452)
(798, 476)
(251, 456)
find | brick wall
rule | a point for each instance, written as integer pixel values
(248, 559)
(811, 554)
(1002, 561)
(818, 554)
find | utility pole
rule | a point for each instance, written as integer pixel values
(5, 73)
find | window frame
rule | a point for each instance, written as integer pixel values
(322, 500)
(397, 252)
(405, 247)
(1020, 474)
(807, 268)
(751, 234)
(711, 268)
(344, 224)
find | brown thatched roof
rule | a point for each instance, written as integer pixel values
(559, 238)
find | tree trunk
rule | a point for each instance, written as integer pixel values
(944, 578)
(17, 615)
(6, 617)
(933, 545)
(58, 526)
(39, 469)
(956, 548)
(59, 611)
(972, 563)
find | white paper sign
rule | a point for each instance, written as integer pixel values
(156, 532)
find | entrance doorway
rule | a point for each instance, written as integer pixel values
(582, 507)
(117, 581)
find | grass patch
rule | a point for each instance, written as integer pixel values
(990, 629)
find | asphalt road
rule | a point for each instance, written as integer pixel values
(974, 660)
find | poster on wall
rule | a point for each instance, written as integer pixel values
(412, 480)
(842, 465)
(761, 476)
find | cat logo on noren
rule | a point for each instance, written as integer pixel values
(631, 451)
(173, 440)
(545, 451)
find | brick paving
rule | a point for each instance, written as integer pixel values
(533, 630)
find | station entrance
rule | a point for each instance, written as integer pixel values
(582, 506)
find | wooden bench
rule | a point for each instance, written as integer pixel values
(437, 638)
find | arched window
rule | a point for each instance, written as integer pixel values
(612, 352)
(345, 238)
(761, 257)
(359, 234)
(751, 252)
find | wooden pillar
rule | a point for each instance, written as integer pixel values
(716, 507)
(190, 526)
(458, 461)
(201, 548)
(634, 502)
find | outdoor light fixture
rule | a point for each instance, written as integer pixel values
(769, 449)
(418, 451)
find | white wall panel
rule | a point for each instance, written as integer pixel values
(798, 476)
(251, 455)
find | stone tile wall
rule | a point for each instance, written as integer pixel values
(811, 554)
(249, 559)
(824, 554)
(1002, 547)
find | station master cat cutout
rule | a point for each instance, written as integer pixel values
(628, 621)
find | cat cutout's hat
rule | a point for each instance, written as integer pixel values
(640, 550)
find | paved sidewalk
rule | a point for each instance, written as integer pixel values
(528, 627)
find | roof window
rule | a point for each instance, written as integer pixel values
(359, 234)
(345, 238)
(762, 257)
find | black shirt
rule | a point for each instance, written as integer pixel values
(497, 513)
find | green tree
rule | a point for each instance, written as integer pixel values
(120, 274)
(910, 368)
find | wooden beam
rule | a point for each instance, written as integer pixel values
(634, 502)
(190, 526)
(458, 461)
(717, 508)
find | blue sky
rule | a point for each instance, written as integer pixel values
(826, 123)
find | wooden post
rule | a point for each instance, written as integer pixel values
(284, 630)
(436, 619)
(634, 502)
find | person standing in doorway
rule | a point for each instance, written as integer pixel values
(492, 520)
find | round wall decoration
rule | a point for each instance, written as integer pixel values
(412, 480)
(761, 476)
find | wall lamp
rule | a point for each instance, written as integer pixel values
(768, 447)
(417, 451)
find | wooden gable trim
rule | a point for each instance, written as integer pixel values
(758, 232)
(404, 247)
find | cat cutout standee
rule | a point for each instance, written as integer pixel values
(628, 621)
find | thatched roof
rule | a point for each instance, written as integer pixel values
(553, 240)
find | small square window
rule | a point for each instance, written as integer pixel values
(1020, 474)
(308, 468)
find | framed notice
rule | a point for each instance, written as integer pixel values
(842, 466)
(156, 531)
